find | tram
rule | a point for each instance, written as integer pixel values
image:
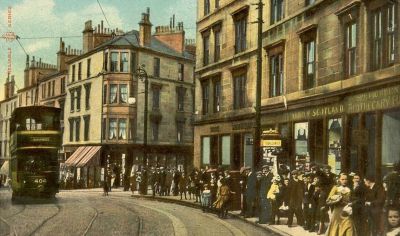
(35, 140)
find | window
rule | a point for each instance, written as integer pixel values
(206, 7)
(309, 64)
(377, 39)
(391, 32)
(179, 131)
(49, 89)
(205, 150)
(226, 150)
(112, 129)
(86, 120)
(156, 98)
(206, 49)
(114, 62)
(113, 93)
(122, 129)
(309, 2)
(156, 72)
(181, 71)
(124, 62)
(277, 10)
(123, 93)
(53, 87)
(181, 98)
(154, 129)
(383, 36)
(217, 95)
(217, 44)
(105, 63)
(71, 130)
(351, 47)
(72, 96)
(43, 90)
(87, 96)
(216, 3)
(79, 70)
(88, 72)
(73, 73)
(62, 89)
(239, 91)
(131, 128)
(205, 97)
(104, 128)
(240, 31)
(276, 75)
(77, 128)
(78, 98)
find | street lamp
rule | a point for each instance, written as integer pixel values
(142, 75)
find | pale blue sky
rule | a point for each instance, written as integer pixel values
(40, 23)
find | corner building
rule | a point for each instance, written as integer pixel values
(104, 109)
(331, 83)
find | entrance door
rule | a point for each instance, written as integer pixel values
(316, 141)
(237, 151)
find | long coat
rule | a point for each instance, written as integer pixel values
(296, 193)
(251, 186)
(223, 196)
(335, 224)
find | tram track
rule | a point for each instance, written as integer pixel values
(94, 217)
(46, 220)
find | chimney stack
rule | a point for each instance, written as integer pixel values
(145, 29)
(6, 90)
(88, 36)
(11, 86)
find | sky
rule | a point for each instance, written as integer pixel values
(40, 24)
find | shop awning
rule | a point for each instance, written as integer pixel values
(76, 156)
(90, 154)
(5, 168)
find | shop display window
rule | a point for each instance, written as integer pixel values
(226, 150)
(390, 140)
(335, 130)
(206, 150)
(301, 138)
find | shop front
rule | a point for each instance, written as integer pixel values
(355, 131)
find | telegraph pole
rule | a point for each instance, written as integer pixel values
(257, 130)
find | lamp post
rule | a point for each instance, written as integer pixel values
(142, 75)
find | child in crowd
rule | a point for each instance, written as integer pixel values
(321, 215)
(272, 198)
(393, 221)
(205, 198)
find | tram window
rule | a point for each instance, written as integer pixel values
(30, 124)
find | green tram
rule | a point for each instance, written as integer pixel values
(35, 141)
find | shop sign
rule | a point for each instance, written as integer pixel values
(241, 126)
(214, 129)
(271, 143)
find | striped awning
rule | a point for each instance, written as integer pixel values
(90, 154)
(76, 156)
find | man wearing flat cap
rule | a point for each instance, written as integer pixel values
(251, 193)
(295, 201)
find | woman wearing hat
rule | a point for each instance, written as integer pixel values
(223, 197)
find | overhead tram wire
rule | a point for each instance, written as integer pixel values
(104, 14)
(17, 38)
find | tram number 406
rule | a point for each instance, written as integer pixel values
(40, 181)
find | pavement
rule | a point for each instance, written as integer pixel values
(281, 229)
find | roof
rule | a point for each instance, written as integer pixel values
(131, 38)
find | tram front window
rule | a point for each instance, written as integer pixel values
(32, 164)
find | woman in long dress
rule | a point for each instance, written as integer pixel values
(339, 197)
(222, 200)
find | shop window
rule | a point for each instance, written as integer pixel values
(335, 144)
(301, 139)
(390, 140)
(248, 150)
(226, 150)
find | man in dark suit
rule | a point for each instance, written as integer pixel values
(374, 201)
(251, 182)
(295, 201)
(358, 203)
(308, 202)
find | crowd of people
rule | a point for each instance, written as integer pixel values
(321, 201)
